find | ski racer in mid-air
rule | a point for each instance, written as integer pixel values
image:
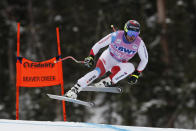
(123, 45)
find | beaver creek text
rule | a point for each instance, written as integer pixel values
(38, 78)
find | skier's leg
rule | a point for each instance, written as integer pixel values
(86, 80)
(121, 71)
(91, 76)
(108, 80)
(82, 82)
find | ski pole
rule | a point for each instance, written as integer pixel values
(70, 57)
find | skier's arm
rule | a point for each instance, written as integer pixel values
(143, 54)
(100, 44)
(89, 61)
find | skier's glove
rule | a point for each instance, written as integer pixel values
(89, 61)
(133, 77)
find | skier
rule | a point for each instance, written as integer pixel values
(123, 45)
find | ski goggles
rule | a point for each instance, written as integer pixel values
(131, 33)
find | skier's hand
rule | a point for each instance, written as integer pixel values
(89, 61)
(133, 77)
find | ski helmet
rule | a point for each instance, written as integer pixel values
(132, 28)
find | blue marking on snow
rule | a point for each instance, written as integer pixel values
(107, 126)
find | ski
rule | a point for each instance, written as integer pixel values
(103, 89)
(57, 97)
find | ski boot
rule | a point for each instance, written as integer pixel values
(106, 82)
(73, 92)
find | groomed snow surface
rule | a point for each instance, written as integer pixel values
(19, 125)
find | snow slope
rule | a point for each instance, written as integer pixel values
(19, 125)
